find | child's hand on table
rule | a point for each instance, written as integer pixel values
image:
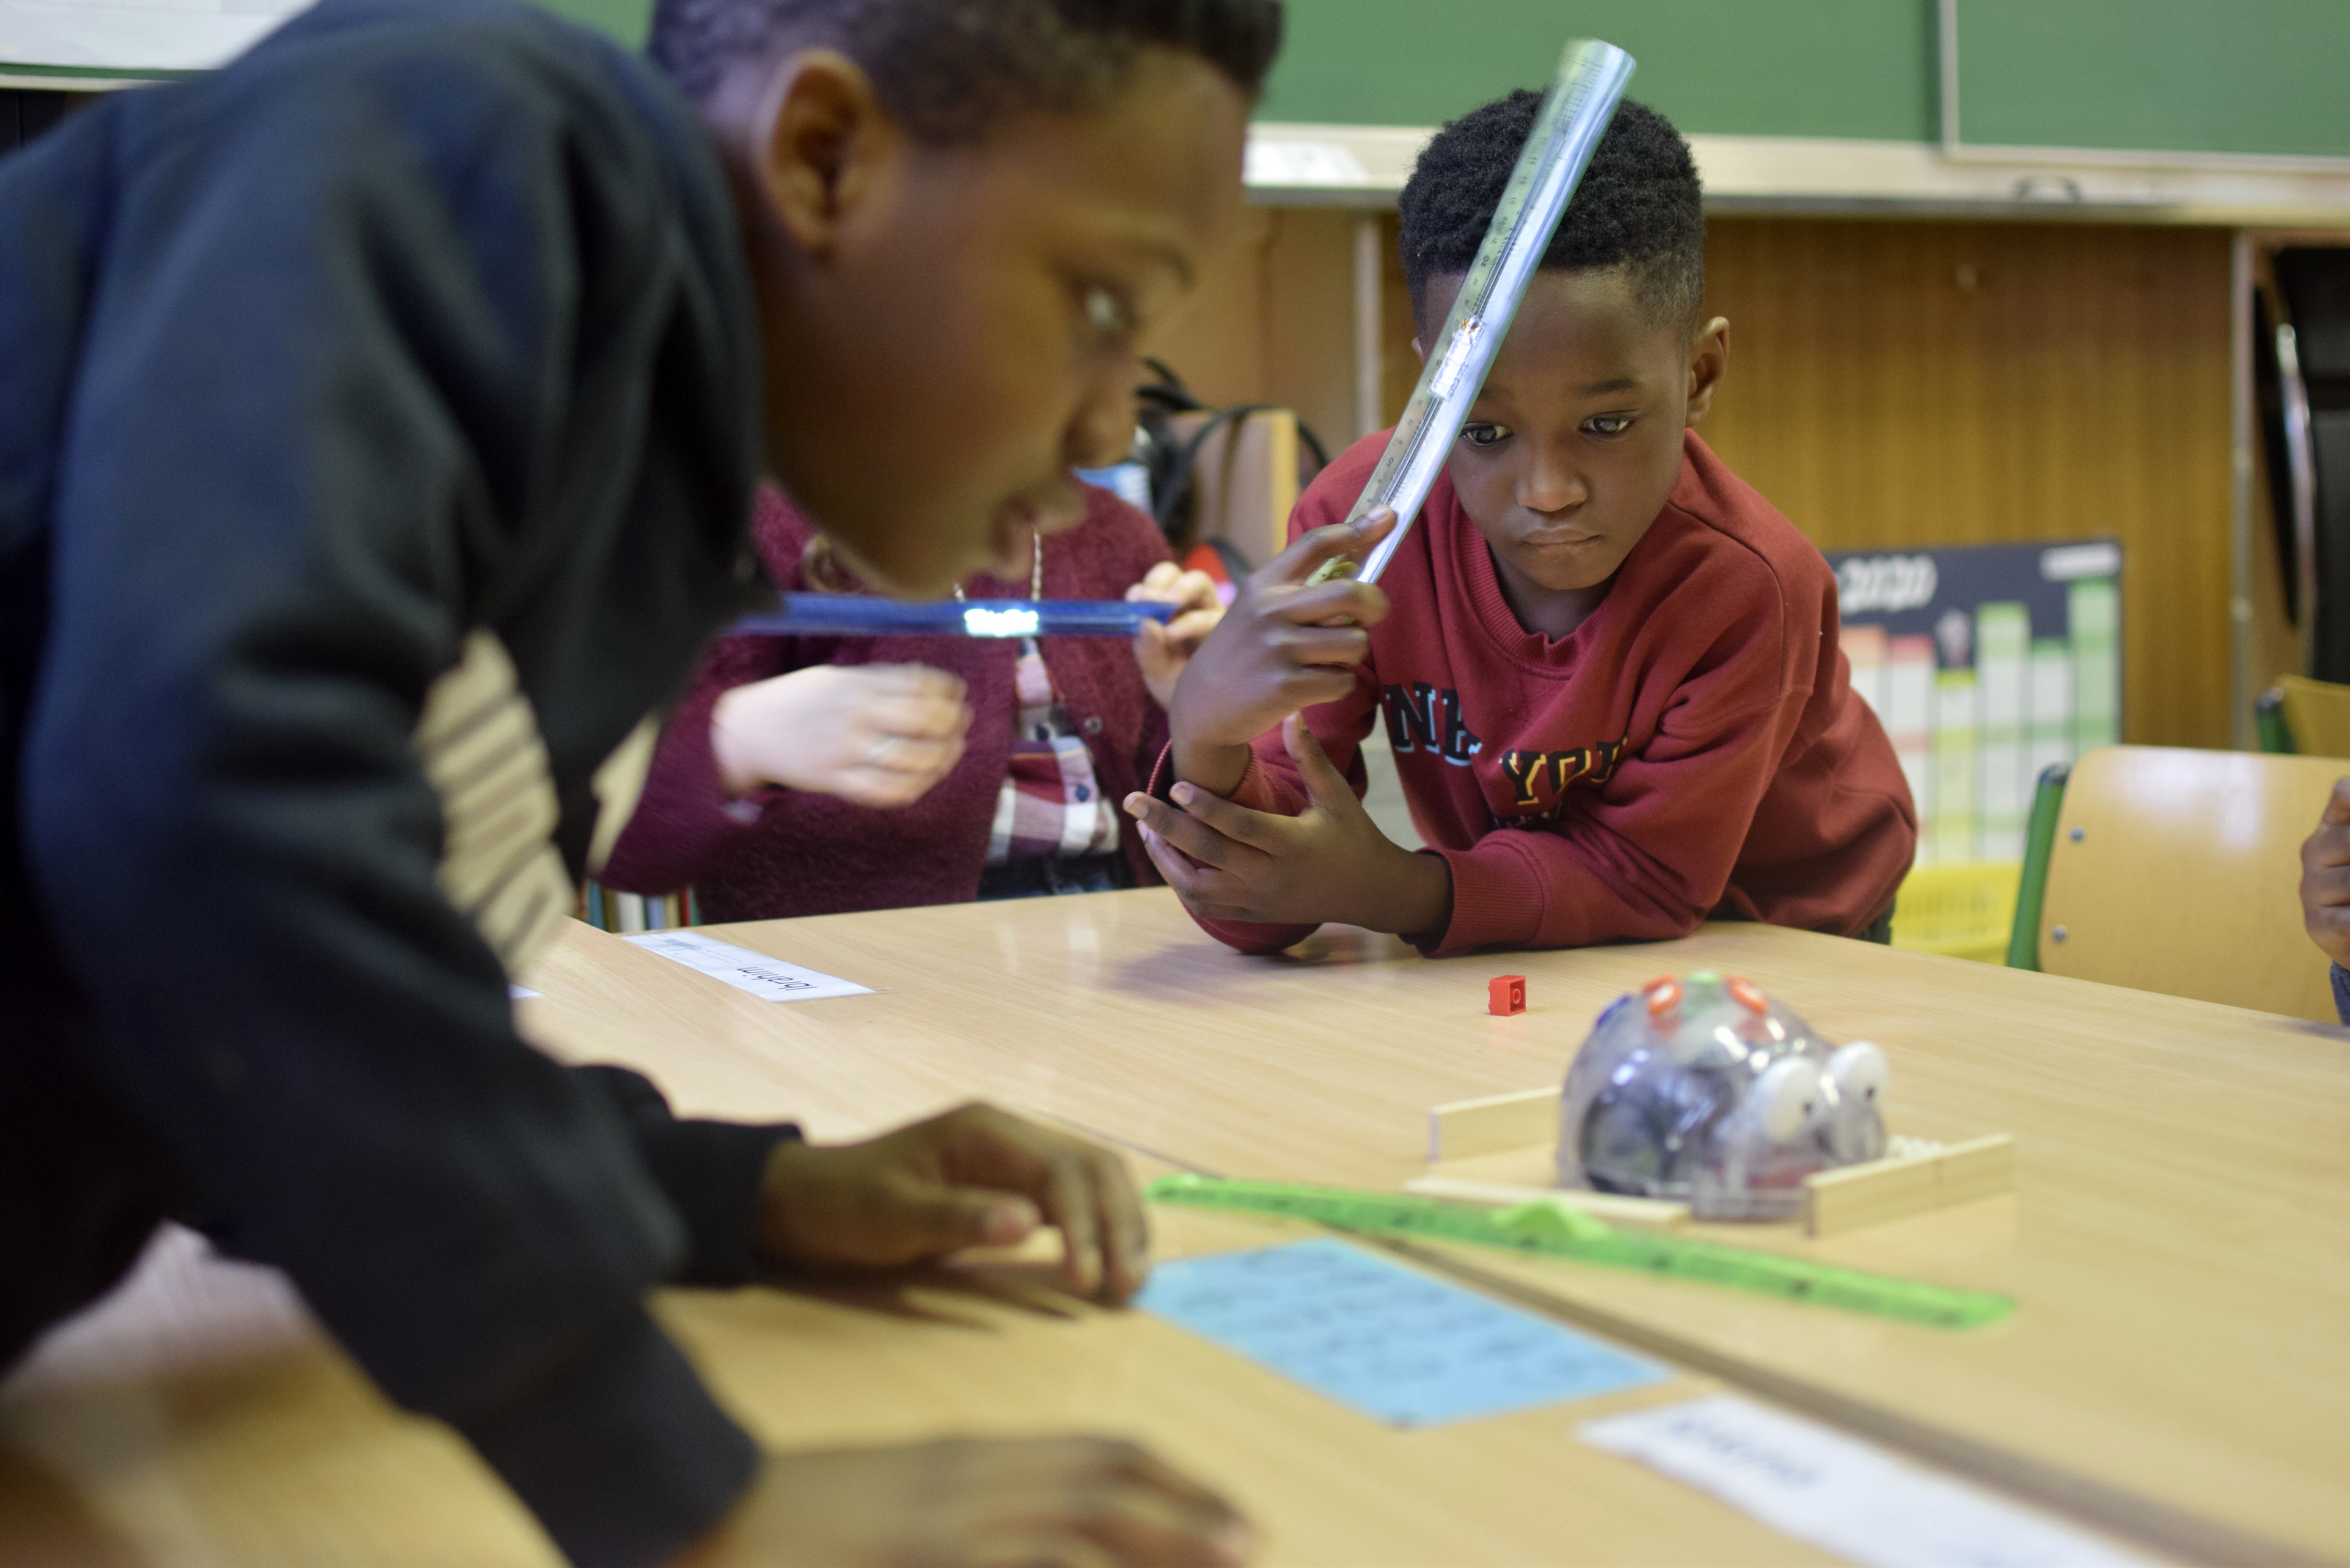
(1282, 647)
(2325, 877)
(973, 1177)
(1330, 862)
(976, 1176)
(1162, 651)
(873, 735)
(969, 1500)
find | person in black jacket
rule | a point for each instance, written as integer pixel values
(378, 418)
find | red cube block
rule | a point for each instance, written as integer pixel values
(1506, 995)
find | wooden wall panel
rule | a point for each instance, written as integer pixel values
(1214, 342)
(1398, 366)
(1910, 383)
(1896, 383)
(1273, 319)
(1307, 320)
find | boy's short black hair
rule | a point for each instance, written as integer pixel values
(1639, 206)
(950, 69)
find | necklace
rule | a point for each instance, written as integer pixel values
(1035, 568)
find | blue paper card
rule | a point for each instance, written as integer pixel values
(1396, 1345)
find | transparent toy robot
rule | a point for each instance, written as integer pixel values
(1706, 1092)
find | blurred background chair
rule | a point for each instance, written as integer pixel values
(2177, 871)
(2309, 718)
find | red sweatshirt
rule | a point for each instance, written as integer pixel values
(1693, 749)
(790, 854)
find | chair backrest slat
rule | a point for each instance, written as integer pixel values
(2316, 714)
(2177, 871)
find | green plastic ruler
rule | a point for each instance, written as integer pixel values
(1548, 1231)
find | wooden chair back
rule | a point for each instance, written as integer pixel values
(2178, 871)
(2316, 714)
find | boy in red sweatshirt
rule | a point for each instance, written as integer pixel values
(1609, 668)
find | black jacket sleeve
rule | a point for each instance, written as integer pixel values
(419, 320)
(711, 1173)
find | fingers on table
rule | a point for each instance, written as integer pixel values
(1115, 1497)
(1073, 1207)
(2325, 884)
(2337, 805)
(1078, 1187)
(2328, 847)
(1126, 1231)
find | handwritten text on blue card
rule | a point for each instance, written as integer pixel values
(1397, 1345)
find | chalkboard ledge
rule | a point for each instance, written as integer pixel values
(1293, 164)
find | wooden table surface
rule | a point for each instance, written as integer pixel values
(2180, 1238)
(2177, 1369)
(200, 1418)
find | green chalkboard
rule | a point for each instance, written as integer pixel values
(1820, 68)
(626, 20)
(1755, 67)
(2229, 76)
(2174, 76)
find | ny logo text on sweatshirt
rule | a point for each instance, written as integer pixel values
(1422, 719)
(1541, 779)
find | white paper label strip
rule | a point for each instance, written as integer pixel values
(1841, 1495)
(754, 972)
(1456, 359)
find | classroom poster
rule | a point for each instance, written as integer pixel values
(1985, 663)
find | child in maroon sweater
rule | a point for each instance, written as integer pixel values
(914, 808)
(1609, 668)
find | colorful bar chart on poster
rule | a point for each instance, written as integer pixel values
(1985, 663)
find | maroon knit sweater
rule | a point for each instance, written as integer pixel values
(814, 855)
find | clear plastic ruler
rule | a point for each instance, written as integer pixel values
(1581, 101)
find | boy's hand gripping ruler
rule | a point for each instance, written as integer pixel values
(861, 614)
(1545, 1231)
(1581, 101)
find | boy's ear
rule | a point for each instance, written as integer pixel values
(811, 132)
(1709, 357)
